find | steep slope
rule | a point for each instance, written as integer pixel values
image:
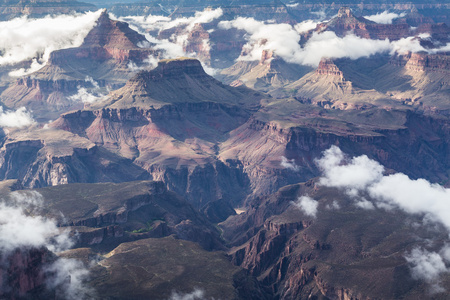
(100, 63)
(173, 268)
(344, 252)
(416, 79)
(278, 144)
(176, 81)
(42, 157)
(269, 73)
(169, 121)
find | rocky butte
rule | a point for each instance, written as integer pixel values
(103, 59)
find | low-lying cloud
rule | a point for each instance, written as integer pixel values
(173, 46)
(385, 17)
(361, 176)
(22, 226)
(19, 118)
(27, 39)
(289, 164)
(308, 205)
(88, 95)
(284, 39)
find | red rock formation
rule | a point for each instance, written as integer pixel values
(423, 62)
(23, 274)
(198, 42)
(328, 67)
(346, 22)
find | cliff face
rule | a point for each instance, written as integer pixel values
(423, 62)
(269, 73)
(101, 62)
(36, 9)
(49, 157)
(298, 256)
(346, 21)
(23, 274)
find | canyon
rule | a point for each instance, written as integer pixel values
(174, 183)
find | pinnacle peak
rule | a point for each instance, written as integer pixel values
(345, 12)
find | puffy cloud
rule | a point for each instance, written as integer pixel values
(25, 39)
(427, 266)
(289, 164)
(328, 44)
(20, 226)
(172, 47)
(356, 173)
(363, 175)
(307, 205)
(19, 118)
(284, 40)
(88, 96)
(360, 176)
(70, 276)
(305, 26)
(385, 17)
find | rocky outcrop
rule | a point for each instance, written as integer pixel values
(269, 73)
(346, 21)
(423, 62)
(23, 273)
(198, 43)
(328, 67)
(51, 157)
(99, 64)
(298, 256)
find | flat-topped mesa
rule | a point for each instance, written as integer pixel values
(180, 80)
(327, 67)
(173, 69)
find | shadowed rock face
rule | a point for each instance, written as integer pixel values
(161, 267)
(106, 214)
(343, 253)
(23, 273)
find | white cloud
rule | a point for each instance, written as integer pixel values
(25, 39)
(19, 118)
(20, 226)
(362, 176)
(385, 17)
(197, 294)
(355, 173)
(307, 205)
(427, 266)
(70, 276)
(91, 95)
(333, 206)
(364, 204)
(305, 26)
(284, 39)
(173, 46)
(289, 164)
